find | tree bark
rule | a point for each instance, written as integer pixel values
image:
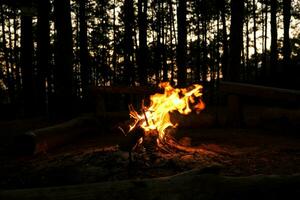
(158, 52)
(266, 67)
(11, 61)
(236, 39)
(286, 36)
(63, 73)
(204, 69)
(143, 48)
(198, 44)
(182, 43)
(274, 46)
(84, 56)
(128, 54)
(43, 42)
(114, 56)
(27, 67)
(225, 41)
(254, 39)
(247, 63)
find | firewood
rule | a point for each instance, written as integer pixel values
(130, 139)
(195, 184)
(42, 140)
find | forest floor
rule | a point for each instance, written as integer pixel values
(238, 152)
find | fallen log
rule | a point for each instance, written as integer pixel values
(258, 91)
(189, 185)
(44, 139)
(239, 93)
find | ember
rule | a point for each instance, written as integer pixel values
(155, 119)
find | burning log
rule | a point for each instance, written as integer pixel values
(131, 141)
(42, 140)
(195, 184)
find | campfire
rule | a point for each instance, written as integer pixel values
(165, 137)
(152, 126)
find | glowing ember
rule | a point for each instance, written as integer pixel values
(155, 119)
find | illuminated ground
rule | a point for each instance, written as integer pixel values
(237, 152)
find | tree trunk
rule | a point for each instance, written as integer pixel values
(63, 76)
(218, 53)
(274, 47)
(143, 48)
(43, 54)
(182, 43)
(128, 55)
(114, 56)
(12, 62)
(198, 48)
(236, 39)
(26, 64)
(158, 52)
(84, 56)
(286, 23)
(225, 42)
(247, 64)
(266, 67)
(262, 68)
(254, 40)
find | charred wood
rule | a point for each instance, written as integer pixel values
(130, 138)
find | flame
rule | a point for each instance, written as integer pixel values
(156, 117)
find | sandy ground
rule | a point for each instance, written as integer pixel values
(238, 152)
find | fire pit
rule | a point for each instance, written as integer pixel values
(152, 128)
(143, 148)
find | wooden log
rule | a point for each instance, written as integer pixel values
(129, 139)
(239, 92)
(258, 91)
(42, 140)
(189, 185)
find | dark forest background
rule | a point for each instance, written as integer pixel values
(53, 51)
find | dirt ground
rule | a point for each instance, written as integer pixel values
(236, 152)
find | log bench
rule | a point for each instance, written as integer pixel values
(238, 93)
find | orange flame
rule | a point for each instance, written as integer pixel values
(157, 115)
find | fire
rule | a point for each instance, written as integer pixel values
(155, 119)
